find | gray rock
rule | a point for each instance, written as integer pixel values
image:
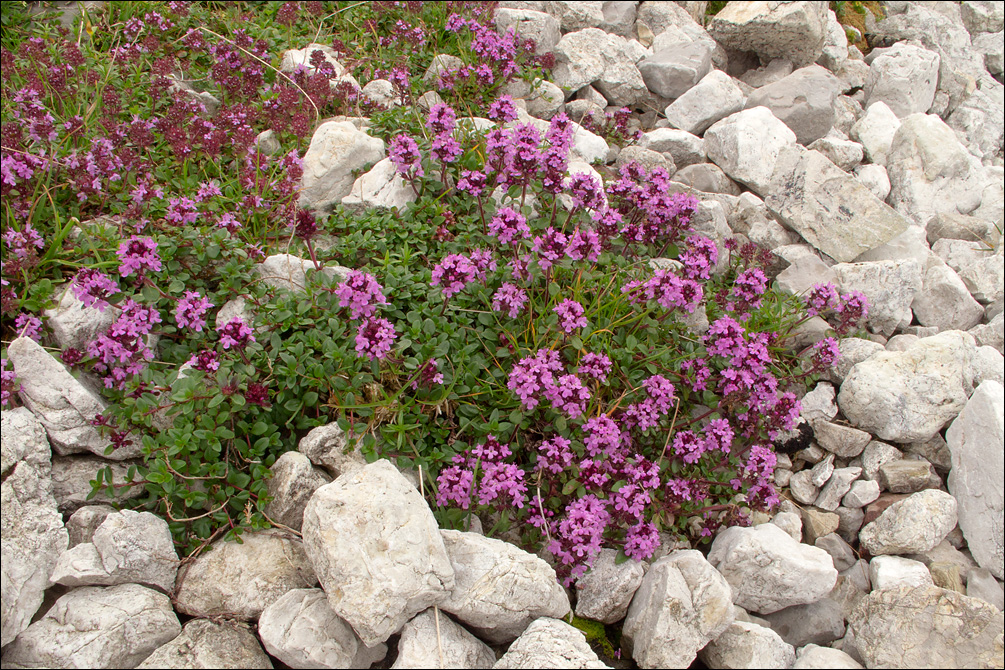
(961, 227)
(550, 643)
(96, 627)
(292, 58)
(748, 645)
(935, 450)
(991, 334)
(796, 31)
(908, 396)
(861, 493)
(441, 64)
(842, 441)
(72, 477)
(541, 27)
(982, 270)
(241, 580)
(827, 206)
(944, 301)
(74, 324)
(288, 272)
(975, 441)
(814, 657)
(713, 98)
(619, 17)
(930, 171)
(982, 584)
(874, 178)
(776, 69)
(672, 72)
(82, 523)
(802, 488)
(577, 15)
(874, 455)
(768, 570)
(127, 548)
(979, 120)
(915, 524)
(210, 644)
(946, 554)
(682, 605)
(926, 627)
(294, 481)
(647, 159)
(822, 471)
(433, 640)
(804, 271)
(841, 552)
(685, 148)
(875, 131)
(381, 188)
(791, 523)
(989, 365)
(336, 149)
(890, 286)
(381, 92)
(906, 476)
(818, 523)
(990, 46)
(61, 403)
(328, 447)
(804, 101)
(706, 177)
(301, 630)
(835, 51)
(836, 487)
(982, 16)
(604, 593)
(843, 153)
(903, 76)
(850, 520)
(891, 572)
(820, 622)
(746, 145)
(499, 588)
(375, 547)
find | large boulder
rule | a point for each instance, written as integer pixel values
(498, 587)
(976, 442)
(831, 209)
(944, 301)
(804, 101)
(682, 605)
(979, 120)
(715, 97)
(746, 146)
(376, 548)
(210, 644)
(926, 627)
(337, 149)
(793, 30)
(913, 525)
(96, 627)
(908, 396)
(768, 570)
(980, 268)
(591, 56)
(903, 76)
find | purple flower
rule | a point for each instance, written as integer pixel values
(579, 536)
(375, 338)
(445, 148)
(361, 293)
(207, 189)
(28, 325)
(568, 395)
(643, 415)
(507, 225)
(822, 298)
(585, 191)
(7, 385)
(122, 350)
(491, 450)
(404, 153)
(93, 288)
(570, 314)
(509, 298)
(454, 485)
(453, 273)
(207, 360)
(825, 353)
(718, 435)
(747, 290)
(761, 462)
(191, 311)
(229, 222)
(603, 436)
(139, 255)
(661, 391)
(699, 258)
(472, 182)
(483, 263)
(702, 373)
(503, 110)
(531, 376)
(555, 455)
(584, 244)
(688, 446)
(428, 375)
(671, 292)
(442, 119)
(235, 333)
(181, 211)
(596, 366)
(725, 338)
(502, 480)
(21, 241)
(550, 248)
(642, 541)
(854, 308)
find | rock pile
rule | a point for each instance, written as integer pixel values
(881, 174)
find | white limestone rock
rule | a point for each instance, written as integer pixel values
(605, 592)
(820, 622)
(61, 403)
(875, 131)
(380, 188)
(682, 605)
(127, 548)
(74, 324)
(912, 525)
(769, 571)
(890, 286)
(685, 148)
(82, 523)
(498, 587)
(904, 77)
(670, 73)
(294, 480)
(982, 584)
(803, 101)
(842, 441)
(301, 630)
(979, 120)
(874, 178)
(815, 657)
(72, 477)
(241, 580)
(376, 549)
(748, 645)
(96, 627)
(944, 301)
(908, 396)
(989, 365)
(543, 28)
(891, 572)
(328, 447)
(431, 633)
(926, 627)
(836, 487)
(289, 272)
(843, 153)
(713, 98)
(210, 644)
(861, 493)
(550, 643)
(982, 270)
(793, 30)
(336, 149)
(746, 146)
(975, 440)
(294, 58)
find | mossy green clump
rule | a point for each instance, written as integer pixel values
(596, 635)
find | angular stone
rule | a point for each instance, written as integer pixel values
(72, 476)
(337, 148)
(380, 188)
(850, 520)
(61, 403)
(944, 301)
(241, 580)
(891, 572)
(814, 657)
(926, 627)
(803, 101)
(875, 131)
(685, 148)
(908, 396)
(746, 145)
(74, 324)
(890, 286)
(96, 627)
(818, 523)
(621, 83)
(210, 644)
(975, 441)
(670, 73)
(982, 270)
(328, 447)
(837, 486)
(82, 523)
(904, 77)
(982, 584)
(294, 58)
(550, 643)
(433, 640)
(375, 547)
(301, 630)
(791, 523)
(979, 120)
(827, 206)
(822, 471)
(604, 593)
(875, 179)
(914, 524)
(820, 622)
(853, 350)
(861, 494)
(768, 570)
(647, 159)
(294, 481)
(706, 177)
(748, 645)
(905, 476)
(127, 548)
(961, 227)
(713, 98)
(619, 17)
(682, 605)
(842, 441)
(802, 487)
(947, 576)
(289, 272)
(541, 27)
(843, 153)
(796, 31)
(499, 588)
(841, 552)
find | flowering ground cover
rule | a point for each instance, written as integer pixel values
(505, 335)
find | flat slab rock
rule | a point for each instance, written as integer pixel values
(210, 644)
